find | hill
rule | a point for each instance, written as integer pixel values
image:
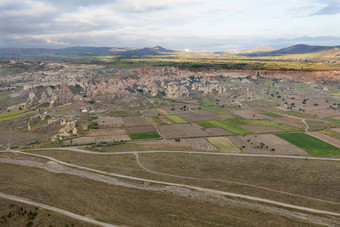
(295, 49)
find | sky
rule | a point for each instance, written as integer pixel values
(175, 24)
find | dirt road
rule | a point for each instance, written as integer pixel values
(235, 195)
(78, 149)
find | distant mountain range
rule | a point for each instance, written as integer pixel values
(296, 49)
(78, 51)
(81, 51)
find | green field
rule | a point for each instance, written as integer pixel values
(310, 144)
(176, 119)
(234, 125)
(207, 103)
(227, 124)
(297, 114)
(15, 114)
(274, 115)
(144, 135)
(242, 121)
(213, 110)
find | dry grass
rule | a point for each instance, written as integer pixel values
(126, 206)
(310, 178)
(44, 217)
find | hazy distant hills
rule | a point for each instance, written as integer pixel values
(80, 51)
(296, 51)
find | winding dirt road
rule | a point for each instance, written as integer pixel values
(229, 182)
(217, 192)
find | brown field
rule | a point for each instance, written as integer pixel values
(150, 113)
(81, 140)
(249, 114)
(204, 116)
(325, 138)
(101, 135)
(99, 139)
(110, 122)
(290, 121)
(218, 132)
(139, 129)
(196, 144)
(252, 144)
(262, 129)
(107, 132)
(336, 129)
(133, 121)
(316, 124)
(182, 131)
(163, 112)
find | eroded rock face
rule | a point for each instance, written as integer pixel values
(65, 95)
(58, 83)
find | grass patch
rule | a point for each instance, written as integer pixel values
(274, 115)
(332, 120)
(223, 144)
(298, 114)
(228, 124)
(234, 125)
(144, 135)
(310, 144)
(15, 114)
(266, 123)
(207, 103)
(213, 110)
(176, 119)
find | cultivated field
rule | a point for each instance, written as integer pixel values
(132, 121)
(176, 119)
(311, 144)
(160, 120)
(249, 114)
(325, 138)
(139, 129)
(196, 144)
(204, 116)
(227, 124)
(182, 131)
(262, 129)
(108, 122)
(265, 143)
(144, 135)
(224, 144)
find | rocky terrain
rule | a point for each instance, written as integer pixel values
(51, 83)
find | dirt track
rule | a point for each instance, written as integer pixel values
(179, 189)
(78, 149)
(235, 195)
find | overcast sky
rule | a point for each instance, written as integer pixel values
(176, 24)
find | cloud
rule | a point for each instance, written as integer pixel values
(193, 24)
(331, 8)
(150, 5)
